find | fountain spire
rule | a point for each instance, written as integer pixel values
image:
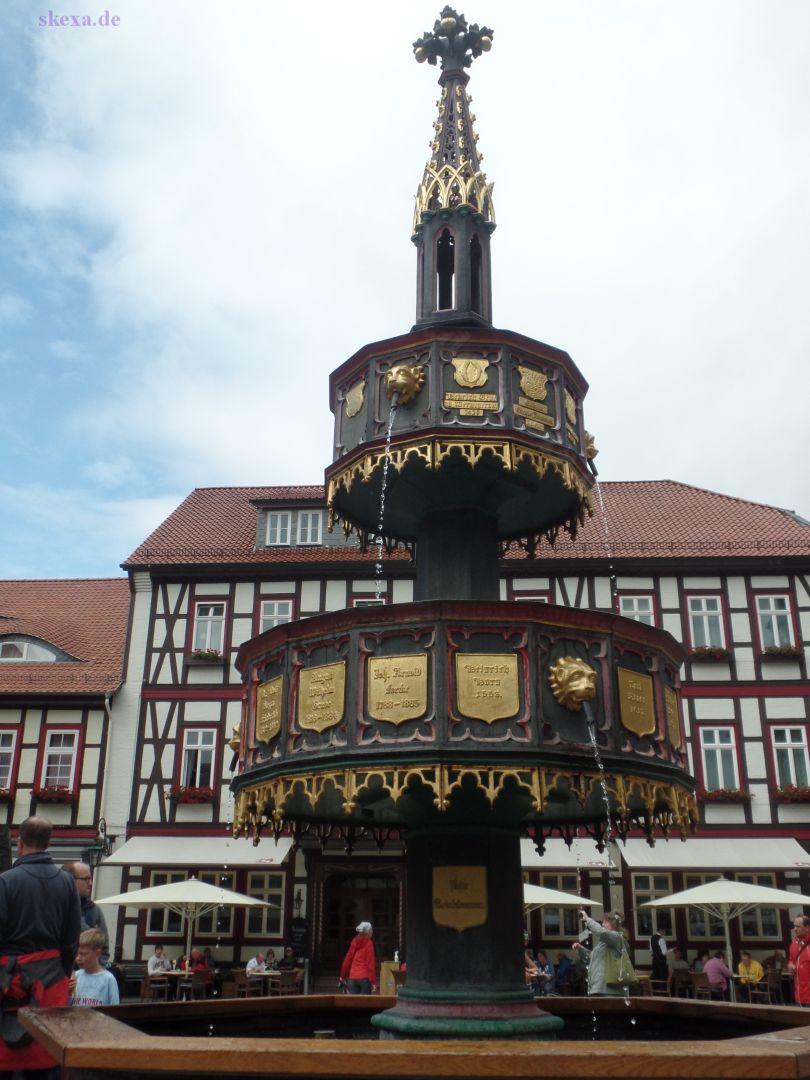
(454, 214)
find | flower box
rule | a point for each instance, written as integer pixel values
(5, 795)
(54, 793)
(733, 795)
(202, 657)
(790, 793)
(782, 652)
(707, 653)
(181, 794)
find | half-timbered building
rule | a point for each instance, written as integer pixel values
(729, 579)
(61, 662)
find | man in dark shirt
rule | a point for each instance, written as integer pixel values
(39, 937)
(92, 915)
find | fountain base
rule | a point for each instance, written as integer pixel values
(417, 1017)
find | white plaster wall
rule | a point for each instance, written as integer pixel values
(502, 588)
(244, 594)
(701, 583)
(802, 594)
(364, 585)
(601, 592)
(714, 708)
(124, 716)
(634, 584)
(179, 633)
(95, 725)
(755, 765)
(725, 814)
(804, 625)
(668, 588)
(772, 581)
(751, 721)
(760, 804)
(672, 624)
(745, 663)
(787, 708)
(740, 626)
(310, 597)
(198, 712)
(735, 587)
(713, 672)
(402, 591)
(241, 630)
(91, 767)
(213, 588)
(273, 587)
(336, 594)
(531, 584)
(793, 813)
(780, 670)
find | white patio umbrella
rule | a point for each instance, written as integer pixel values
(189, 899)
(536, 896)
(726, 900)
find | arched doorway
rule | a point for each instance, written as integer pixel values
(350, 896)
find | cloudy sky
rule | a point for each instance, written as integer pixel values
(207, 208)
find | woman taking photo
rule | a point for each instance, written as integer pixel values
(357, 972)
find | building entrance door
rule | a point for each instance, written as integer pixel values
(349, 899)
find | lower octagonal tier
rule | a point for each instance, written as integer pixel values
(368, 722)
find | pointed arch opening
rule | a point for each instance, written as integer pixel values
(445, 270)
(476, 276)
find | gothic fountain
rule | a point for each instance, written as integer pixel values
(458, 723)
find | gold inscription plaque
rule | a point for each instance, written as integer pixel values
(321, 696)
(636, 707)
(269, 697)
(487, 685)
(535, 415)
(673, 717)
(397, 688)
(470, 404)
(470, 371)
(460, 896)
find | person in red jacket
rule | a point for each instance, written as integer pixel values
(358, 969)
(799, 961)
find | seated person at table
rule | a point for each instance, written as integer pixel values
(776, 961)
(256, 964)
(545, 980)
(210, 961)
(716, 972)
(92, 984)
(270, 960)
(675, 960)
(158, 964)
(750, 971)
(700, 960)
(530, 969)
(288, 961)
(199, 966)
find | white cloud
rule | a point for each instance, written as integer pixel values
(235, 191)
(14, 308)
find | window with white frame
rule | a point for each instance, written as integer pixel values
(371, 601)
(759, 922)
(718, 747)
(650, 921)
(265, 922)
(790, 756)
(535, 598)
(59, 759)
(559, 922)
(218, 923)
(274, 613)
(199, 748)
(8, 742)
(701, 924)
(23, 650)
(309, 526)
(639, 608)
(161, 920)
(209, 626)
(278, 528)
(706, 622)
(775, 622)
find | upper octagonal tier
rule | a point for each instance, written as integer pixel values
(485, 420)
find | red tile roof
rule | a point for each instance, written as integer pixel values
(654, 519)
(86, 618)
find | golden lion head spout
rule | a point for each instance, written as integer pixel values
(572, 681)
(404, 380)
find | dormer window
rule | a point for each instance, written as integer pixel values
(18, 650)
(301, 527)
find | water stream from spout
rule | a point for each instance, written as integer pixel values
(613, 585)
(378, 566)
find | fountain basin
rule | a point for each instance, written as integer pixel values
(129, 1041)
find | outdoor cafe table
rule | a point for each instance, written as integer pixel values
(265, 977)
